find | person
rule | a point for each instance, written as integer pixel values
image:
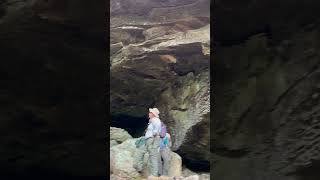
(151, 145)
(165, 146)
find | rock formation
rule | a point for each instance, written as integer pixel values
(52, 87)
(122, 160)
(160, 57)
(266, 75)
(119, 135)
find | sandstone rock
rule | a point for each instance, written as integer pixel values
(119, 135)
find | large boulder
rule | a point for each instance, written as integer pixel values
(186, 107)
(122, 161)
(119, 135)
(175, 165)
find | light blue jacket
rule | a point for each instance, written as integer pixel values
(154, 128)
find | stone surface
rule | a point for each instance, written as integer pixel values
(119, 135)
(122, 161)
(187, 104)
(192, 177)
(53, 87)
(266, 121)
(202, 176)
(175, 165)
(164, 45)
(277, 18)
(113, 143)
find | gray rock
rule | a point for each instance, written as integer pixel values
(113, 143)
(266, 122)
(164, 61)
(186, 108)
(122, 161)
(119, 135)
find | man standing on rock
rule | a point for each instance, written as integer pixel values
(152, 144)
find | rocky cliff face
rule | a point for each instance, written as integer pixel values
(52, 87)
(266, 115)
(160, 57)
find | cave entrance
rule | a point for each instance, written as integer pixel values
(135, 126)
(198, 166)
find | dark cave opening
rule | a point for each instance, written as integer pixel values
(134, 125)
(310, 172)
(194, 165)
